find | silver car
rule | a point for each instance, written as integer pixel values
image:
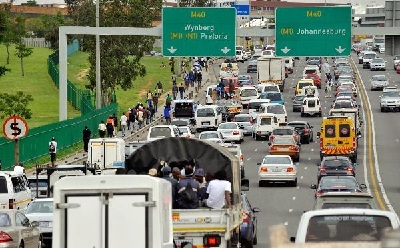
(41, 210)
(231, 132)
(17, 231)
(213, 136)
(378, 82)
(390, 99)
(378, 64)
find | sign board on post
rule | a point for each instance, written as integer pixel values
(313, 31)
(202, 32)
(15, 127)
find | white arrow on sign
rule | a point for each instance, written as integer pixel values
(340, 49)
(225, 50)
(172, 49)
(285, 50)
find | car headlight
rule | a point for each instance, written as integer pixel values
(45, 223)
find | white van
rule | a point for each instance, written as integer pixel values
(209, 92)
(162, 131)
(264, 125)
(246, 94)
(275, 108)
(310, 91)
(289, 64)
(14, 190)
(254, 105)
(311, 106)
(240, 55)
(208, 117)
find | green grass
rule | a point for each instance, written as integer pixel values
(78, 68)
(36, 82)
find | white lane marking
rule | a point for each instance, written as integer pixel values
(255, 149)
(377, 171)
(294, 198)
(305, 168)
(298, 187)
(248, 158)
(397, 140)
(309, 158)
(290, 210)
(301, 177)
(286, 223)
(262, 142)
(312, 149)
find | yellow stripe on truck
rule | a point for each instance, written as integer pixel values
(22, 201)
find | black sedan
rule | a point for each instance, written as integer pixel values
(337, 184)
(248, 228)
(304, 129)
(336, 166)
(252, 66)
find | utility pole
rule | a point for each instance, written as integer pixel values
(98, 76)
(178, 60)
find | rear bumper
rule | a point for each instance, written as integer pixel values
(277, 177)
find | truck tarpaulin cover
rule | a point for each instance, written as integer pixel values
(211, 157)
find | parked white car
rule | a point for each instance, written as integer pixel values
(231, 132)
(41, 210)
(277, 168)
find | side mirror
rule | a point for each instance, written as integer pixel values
(245, 184)
(355, 164)
(256, 210)
(269, 143)
(258, 164)
(363, 186)
(292, 239)
(313, 186)
(318, 164)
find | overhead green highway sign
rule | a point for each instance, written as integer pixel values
(313, 31)
(208, 32)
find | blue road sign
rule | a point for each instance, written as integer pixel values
(242, 9)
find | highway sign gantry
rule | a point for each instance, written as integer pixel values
(15, 127)
(313, 31)
(202, 32)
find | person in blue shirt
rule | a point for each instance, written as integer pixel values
(167, 114)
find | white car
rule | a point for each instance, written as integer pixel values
(352, 86)
(185, 132)
(237, 151)
(213, 136)
(311, 106)
(231, 132)
(396, 61)
(377, 64)
(277, 168)
(381, 49)
(162, 131)
(378, 82)
(41, 210)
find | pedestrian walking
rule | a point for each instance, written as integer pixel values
(159, 88)
(168, 100)
(102, 129)
(132, 119)
(124, 124)
(155, 101)
(181, 90)
(167, 114)
(115, 124)
(329, 89)
(151, 113)
(127, 117)
(149, 98)
(174, 90)
(173, 78)
(145, 116)
(110, 126)
(140, 116)
(86, 135)
(53, 151)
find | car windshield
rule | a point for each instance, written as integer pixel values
(337, 163)
(391, 94)
(242, 118)
(228, 126)
(160, 132)
(346, 227)
(209, 136)
(379, 78)
(345, 183)
(183, 129)
(276, 160)
(5, 220)
(271, 96)
(302, 85)
(283, 141)
(3, 185)
(248, 92)
(275, 109)
(40, 207)
(205, 112)
(265, 121)
(310, 71)
(284, 131)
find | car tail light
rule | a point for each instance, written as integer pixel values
(318, 193)
(273, 148)
(350, 170)
(211, 240)
(264, 169)
(5, 237)
(241, 157)
(354, 143)
(246, 217)
(10, 203)
(322, 170)
(293, 148)
(306, 131)
(290, 169)
(321, 143)
(235, 132)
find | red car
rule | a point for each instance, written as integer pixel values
(227, 80)
(398, 68)
(316, 78)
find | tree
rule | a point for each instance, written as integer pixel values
(7, 30)
(22, 51)
(15, 104)
(3, 70)
(196, 3)
(120, 55)
(51, 23)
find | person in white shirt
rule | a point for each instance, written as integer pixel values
(124, 123)
(219, 191)
(53, 151)
(19, 168)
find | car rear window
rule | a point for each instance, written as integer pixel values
(160, 132)
(311, 103)
(329, 205)
(275, 109)
(242, 118)
(265, 121)
(329, 131)
(302, 85)
(344, 130)
(205, 112)
(3, 185)
(336, 163)
(248, 92)
(282, 131)
(42, 183)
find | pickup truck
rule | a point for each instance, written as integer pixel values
(202, 226)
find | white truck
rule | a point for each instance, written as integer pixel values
(201, 227)
(354, 114)
(112, 211)
(105, 153)
(271, 69)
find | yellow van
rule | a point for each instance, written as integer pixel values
(303, 83)
(338, 137)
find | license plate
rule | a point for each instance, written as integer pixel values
(276, 170)
(184, 243)
(284, 149)
(205, 123)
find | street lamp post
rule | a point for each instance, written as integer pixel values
(98, 76)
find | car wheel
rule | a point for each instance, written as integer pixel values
(256, 137)
(247, 244)
(312, 137)
(382, 109)
(294, 183)
(255, 241)
(302, 114)
(21, 245)
(260, 183)
(307, 140)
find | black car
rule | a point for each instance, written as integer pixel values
(252, 66)
(337, 184)
(304, 129)
(336, 166)
(298, 102)
(248, 228)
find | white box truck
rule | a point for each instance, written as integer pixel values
(112, 211)
(271, 69)
(105, 153)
